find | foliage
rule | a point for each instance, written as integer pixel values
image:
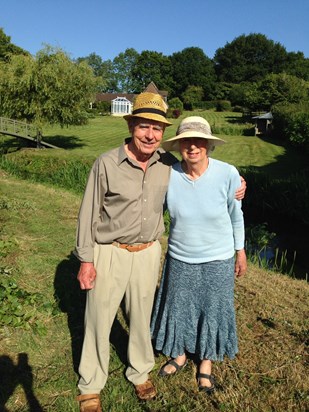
(223, 106)
(48, 88)
(261, 249)
(123, 69)
(19, 308)
(291, 123)
(297, 65)
(281, 88)
(191, 67)
(101, 70)
(245, 95)
(69, 174)
(191, 96)
(273, 89)
(102, 107)
(154, 67)
(7, 48)
(175, 103)
(249, 58)
(175, 108)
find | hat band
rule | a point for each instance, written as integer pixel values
(195, 127)
(148, 110)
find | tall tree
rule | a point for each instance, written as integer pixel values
(191, 67)
(249, 58)
(47, 88)
(123, 66)
(298, 65)
(7, 48)
(101, 69)
(282, 88)
(152, 66)
(192, 96)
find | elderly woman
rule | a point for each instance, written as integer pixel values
(194, 311)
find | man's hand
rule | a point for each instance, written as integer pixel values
(86, 275)
(240, 193)
(240, 263)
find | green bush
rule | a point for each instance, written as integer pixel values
(298, 130)
(291, 123)
(175, 103)
(102, 107)
(205, 105)
(223, 106)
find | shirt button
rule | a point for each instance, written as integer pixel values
(144, 218)
(145, 200)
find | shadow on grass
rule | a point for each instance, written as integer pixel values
(11, 376)
(72, 300)
(239, 120)
(64, 142)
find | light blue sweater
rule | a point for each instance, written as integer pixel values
(206, 221)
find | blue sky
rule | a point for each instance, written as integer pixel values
(109, 27)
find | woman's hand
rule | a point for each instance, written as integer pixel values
(240, 263)
(240, 193)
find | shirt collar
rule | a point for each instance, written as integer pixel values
(122, 154)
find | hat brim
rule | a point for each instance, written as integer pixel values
(148, 116)
(172, 144)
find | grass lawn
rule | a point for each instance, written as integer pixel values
(106, 132)
(40, 355)
(41, 306)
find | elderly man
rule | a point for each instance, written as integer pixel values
(119, 226)
(120, 222)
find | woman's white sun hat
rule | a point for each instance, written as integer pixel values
(192, 126)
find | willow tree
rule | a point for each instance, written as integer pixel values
(47, 88)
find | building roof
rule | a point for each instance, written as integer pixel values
(267, 116)
(108, 97)
(151, 88)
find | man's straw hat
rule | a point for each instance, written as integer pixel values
(149, 106)
(193, 126)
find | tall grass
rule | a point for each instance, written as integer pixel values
(68, 174)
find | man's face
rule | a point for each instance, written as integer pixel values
(146, 136)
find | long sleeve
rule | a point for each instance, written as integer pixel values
(235, 211)
(89, 214)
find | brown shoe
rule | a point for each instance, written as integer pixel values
(89, 403)
(145, 391)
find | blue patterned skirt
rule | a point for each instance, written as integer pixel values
(194, 310)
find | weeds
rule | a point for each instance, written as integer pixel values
(19, 308)
(261, 250)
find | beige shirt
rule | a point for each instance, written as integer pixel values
(122, 202)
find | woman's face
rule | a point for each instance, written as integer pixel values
(193, 150)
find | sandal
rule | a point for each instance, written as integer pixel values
(89, 403)
(206, 389)
(172, 362)
(145, 391)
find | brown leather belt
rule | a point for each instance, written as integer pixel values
(135, 247)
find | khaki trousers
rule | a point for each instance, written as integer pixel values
(119, 273)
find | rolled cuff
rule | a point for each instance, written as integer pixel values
(84, 254)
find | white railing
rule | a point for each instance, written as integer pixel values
(17, 128)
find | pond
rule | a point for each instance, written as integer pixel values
(291, 240)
